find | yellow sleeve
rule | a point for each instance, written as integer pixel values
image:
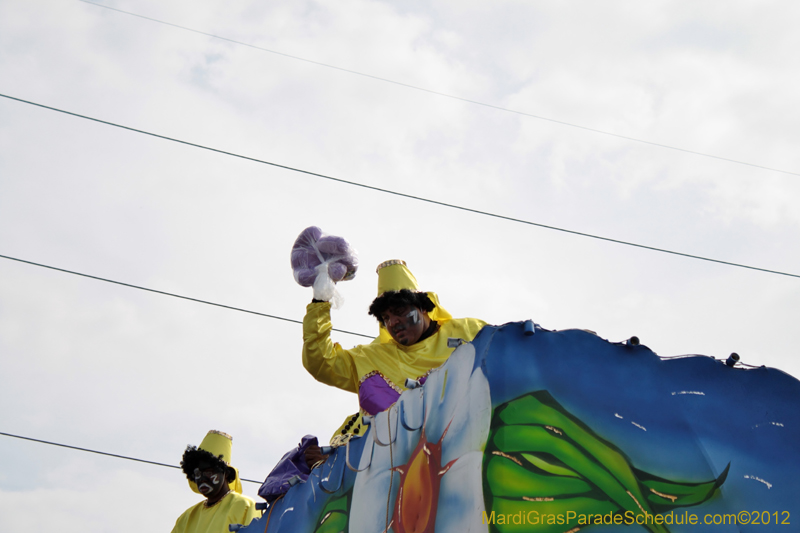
(471, 327)
(250, 513)
(182, 524)
(327, 361)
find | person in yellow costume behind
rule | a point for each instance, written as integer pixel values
(208, 469)
(412, 340)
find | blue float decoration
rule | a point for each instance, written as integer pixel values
(527, 429)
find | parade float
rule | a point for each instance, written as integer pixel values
(528, 429)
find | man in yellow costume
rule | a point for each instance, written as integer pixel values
(413, 339)
(208, 469)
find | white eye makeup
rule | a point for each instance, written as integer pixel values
(209, 473)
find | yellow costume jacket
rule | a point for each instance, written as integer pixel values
(233, 509)
(331, 364)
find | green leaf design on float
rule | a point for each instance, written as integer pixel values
(334, 516)
(539, 458)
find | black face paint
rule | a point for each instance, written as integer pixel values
(207, 480)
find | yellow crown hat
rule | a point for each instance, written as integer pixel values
(219, 443)
(394, 275)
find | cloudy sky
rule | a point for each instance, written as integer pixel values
(565, 87)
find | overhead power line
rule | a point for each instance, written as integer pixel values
(174, 295)
(103, 453)
(446, 95)
(247, 311)
(403, 195)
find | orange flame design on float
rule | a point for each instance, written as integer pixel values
(417, 499)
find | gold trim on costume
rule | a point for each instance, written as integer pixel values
(391, 262)
(216, 432)
(340, 440)
(388, 381)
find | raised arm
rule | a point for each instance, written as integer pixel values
(327, 361)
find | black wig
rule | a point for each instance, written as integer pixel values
(193, 456)
(401, 298)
